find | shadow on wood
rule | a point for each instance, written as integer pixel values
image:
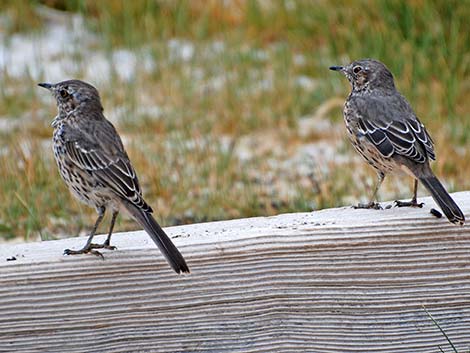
(337, 280)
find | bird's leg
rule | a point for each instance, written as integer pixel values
(372, 203)
(107, 242)
(413, 202)
(88, 248)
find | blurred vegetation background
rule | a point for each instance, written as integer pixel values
(227, 108)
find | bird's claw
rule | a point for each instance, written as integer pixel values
(370, 205)
(87, 250)
(102, 246)
(412, 203)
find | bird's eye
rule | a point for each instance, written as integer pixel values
(63, 93)
(357, 69)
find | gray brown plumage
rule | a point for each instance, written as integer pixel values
(384, 129)
(94, 164)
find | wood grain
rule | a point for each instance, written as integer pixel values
(337, 280)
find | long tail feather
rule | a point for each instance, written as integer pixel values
(164, 243)
(443, 199)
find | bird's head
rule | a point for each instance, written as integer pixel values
(72, 94)
(367, 75)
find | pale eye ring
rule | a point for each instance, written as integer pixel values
(63, 93)
(357, 69)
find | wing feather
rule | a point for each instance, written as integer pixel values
(393, 134)
(116, 172)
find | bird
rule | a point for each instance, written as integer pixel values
(95, 166)
(386, 132)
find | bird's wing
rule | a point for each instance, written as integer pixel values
(100, 153)
(394, 131)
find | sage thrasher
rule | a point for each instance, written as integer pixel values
(384, 129)
(95, 166)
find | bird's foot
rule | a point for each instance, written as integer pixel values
(105, 245)
(88, 249)
(370, 205)
(85, 250)
(412, 203)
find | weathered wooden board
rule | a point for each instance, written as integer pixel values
(337, 280)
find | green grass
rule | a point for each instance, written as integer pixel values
(209, 106)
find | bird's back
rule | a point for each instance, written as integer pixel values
(389, 122)
(87, 144)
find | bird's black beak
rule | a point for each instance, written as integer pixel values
(336, 68)
(45, 85)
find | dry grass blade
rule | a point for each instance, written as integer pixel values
(440, 329)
